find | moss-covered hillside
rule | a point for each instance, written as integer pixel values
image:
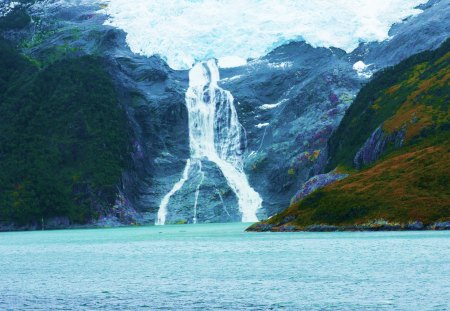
(409, 182)
(63, 139)
(412, 96)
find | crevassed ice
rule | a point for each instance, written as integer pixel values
(184, 32)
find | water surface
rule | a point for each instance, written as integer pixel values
(212, 267)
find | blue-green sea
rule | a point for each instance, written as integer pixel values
(220, 267)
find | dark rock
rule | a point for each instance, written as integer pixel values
(5, 227)
(315, 183)
(445, 225)
(387, 227)
(376, 145)
(108, 221)
(417, 225)
(57, 223)
(260, 227)
(321, 228)
(287, 229)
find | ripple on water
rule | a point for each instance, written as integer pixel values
(216, 267)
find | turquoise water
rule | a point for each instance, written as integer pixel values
(216, 267)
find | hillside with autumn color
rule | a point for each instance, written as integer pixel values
(393, 144)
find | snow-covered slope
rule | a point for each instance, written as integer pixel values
(184, 31)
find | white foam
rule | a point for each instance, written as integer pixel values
(185, 31)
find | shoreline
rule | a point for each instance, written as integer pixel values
(9, 228)
(256, 227)
(375, 227)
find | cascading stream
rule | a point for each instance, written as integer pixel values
(215, 134)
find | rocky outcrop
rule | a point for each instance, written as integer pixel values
(315, 183)
(380, 225)
(376, 145)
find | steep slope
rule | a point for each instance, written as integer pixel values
(63, 141)
(148, 96)
(398, 124)
(402, 104)
(289, 102)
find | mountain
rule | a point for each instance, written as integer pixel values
(394, 144)
(293, 99)
(63, 137)
(289, 103)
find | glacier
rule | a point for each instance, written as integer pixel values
(184, 32)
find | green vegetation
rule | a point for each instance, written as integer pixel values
(49, 52)
(413, 95)
(407, 184)
(63, 139)
(406, 187)
(17, 19)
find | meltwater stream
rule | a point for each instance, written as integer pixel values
(215, 134)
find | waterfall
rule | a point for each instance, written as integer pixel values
(215, 134)
(197, 192)
(162, 212)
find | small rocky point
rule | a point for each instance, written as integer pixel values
(375, 226)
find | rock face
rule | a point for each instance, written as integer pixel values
(289, 103)
(316, 182)
(154, 97)
(376, 145)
